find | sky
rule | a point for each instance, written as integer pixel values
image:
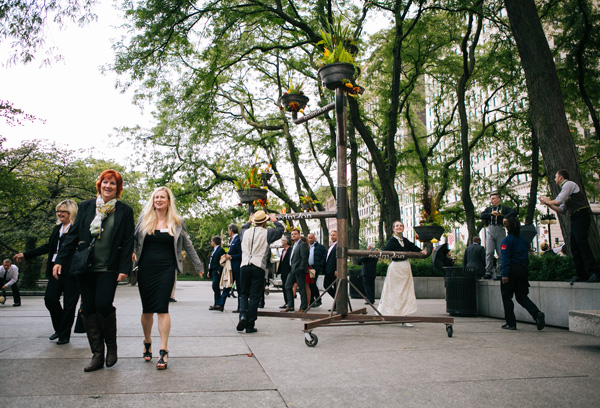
(80, 105)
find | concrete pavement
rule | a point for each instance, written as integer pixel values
(212, 365)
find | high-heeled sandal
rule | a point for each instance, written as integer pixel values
(162, 364)
(147, 352)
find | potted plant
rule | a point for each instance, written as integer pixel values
(337, 66)
(252, 186)
(307, 203)
(294, 99)
(430, 227)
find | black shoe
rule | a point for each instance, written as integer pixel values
(487, 276)
(317, 304)
(507, 327)
(594, 278)
(172, 300)
(241, 324)
(62, 341)
(251, 330)
(16, 305)
(575, 279)
(540, 320)
(283, 307)
(54, 336)
(261, 305)
(236, 311)
(497, 278)
(215, 308)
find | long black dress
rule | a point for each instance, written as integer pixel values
(156, 274)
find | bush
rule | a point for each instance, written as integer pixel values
(550, 268)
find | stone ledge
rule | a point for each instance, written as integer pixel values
(585, 321)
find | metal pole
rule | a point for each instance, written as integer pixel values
(342, 203)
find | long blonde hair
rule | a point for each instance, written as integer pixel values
(149, 220)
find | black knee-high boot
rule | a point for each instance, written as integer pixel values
(96, 340)
(109, 330)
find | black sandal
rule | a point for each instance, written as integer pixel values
(162, 364)
(147, 352)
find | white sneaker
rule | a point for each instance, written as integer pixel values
(407, 325)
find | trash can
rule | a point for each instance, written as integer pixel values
(461, 291)
(355, 276)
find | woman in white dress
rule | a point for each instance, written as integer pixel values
(398, 294)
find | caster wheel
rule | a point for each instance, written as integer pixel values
(449, 330)
(311, 339)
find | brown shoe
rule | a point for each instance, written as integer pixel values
(301, 311)
(288, 309)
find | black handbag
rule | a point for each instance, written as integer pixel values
(133, 276)
(79, 326)
(82, 259)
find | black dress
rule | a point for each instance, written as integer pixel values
(156, 274)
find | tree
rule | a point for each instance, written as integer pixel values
(546, 103)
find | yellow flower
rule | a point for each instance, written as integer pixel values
(434, 240)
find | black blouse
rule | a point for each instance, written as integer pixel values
(394, 245)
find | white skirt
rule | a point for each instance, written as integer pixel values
(398, 294)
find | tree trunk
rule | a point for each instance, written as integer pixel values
(546, 103)
(535, 171)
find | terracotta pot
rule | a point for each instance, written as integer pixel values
(332, 75)
(428, 232)
(248, 195)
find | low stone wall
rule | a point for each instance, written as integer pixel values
(555, 299)
(425, 288)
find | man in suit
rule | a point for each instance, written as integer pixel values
(214, 271)
(475, 257)
(369, 273)
(331, 264)
(316, 261)
(494, 217)
(235, 256)
(284, 266)
(298, 271)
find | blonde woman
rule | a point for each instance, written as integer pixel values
(62, 316)
(160, 238)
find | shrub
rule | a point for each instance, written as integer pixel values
(550, 268)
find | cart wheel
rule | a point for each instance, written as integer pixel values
(449, 330)
(310, 339)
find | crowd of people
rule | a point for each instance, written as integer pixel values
(95, 245)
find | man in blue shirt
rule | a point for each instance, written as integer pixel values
(515, 259)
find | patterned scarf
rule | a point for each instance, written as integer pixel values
(400, 240)
(102, 211)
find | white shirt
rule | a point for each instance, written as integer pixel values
(10, 276)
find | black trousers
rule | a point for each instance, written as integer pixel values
(62, 316)
(216, 287)
(14, 289)
(583, 258)
(369, 286)
(252, 287)
(517, 285)
(327, 280)
(97, 292)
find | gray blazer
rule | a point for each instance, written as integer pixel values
(182, 242)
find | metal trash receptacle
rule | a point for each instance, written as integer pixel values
(461, 291)
(356, 281)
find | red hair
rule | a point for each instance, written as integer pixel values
(108, 174)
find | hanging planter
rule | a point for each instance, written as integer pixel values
(337, 74)
(293, 102)
(307, 207)
(426, 233)
(249, 195)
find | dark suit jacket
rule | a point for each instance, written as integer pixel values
(369, 266)
(506, 212)
(474, 257)
(79, 236)
(331, 261)
(50, 249)
(215, 263)
(320, 253)
(235, 251)
(394, 245)
(284, 263)
(300, 259)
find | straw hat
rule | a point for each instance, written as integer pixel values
(259, 217)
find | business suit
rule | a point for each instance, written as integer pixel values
(475, 258)
(235, 252)
(66, 285)
(319, 253)
(298, 271)
(284, 270)
(214, 270)
(330, 269)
